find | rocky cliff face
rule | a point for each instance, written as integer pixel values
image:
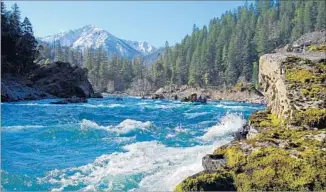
(293, 83)
(53, 80)
(283, 147)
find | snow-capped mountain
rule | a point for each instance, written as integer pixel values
(91, 36)
(142, 46)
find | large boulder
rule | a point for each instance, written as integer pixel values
(15, 89)
(212, 162)
(62, 80)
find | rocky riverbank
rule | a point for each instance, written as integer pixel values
(242, 93)
(282, 148)
(48, 81)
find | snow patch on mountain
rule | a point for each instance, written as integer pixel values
(91, 36)
(142, 46)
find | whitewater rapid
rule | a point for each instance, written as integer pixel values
(103, 145)
(163, 167)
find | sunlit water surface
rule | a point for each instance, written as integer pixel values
(106, 144)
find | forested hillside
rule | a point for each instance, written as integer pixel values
(229, 48)
(107, 72)
(18, 45)
(220, 54)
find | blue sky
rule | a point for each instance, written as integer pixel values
(152, 21)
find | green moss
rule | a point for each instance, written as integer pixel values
(222, 181)
(315, 48)
(271, 169)
(292, 59)
(310, 117)
(221, 150)
(257, 118)
(235, 157)
(264, 119)
(305, 92)
(238, 86)
(299, 75)
(47, 61)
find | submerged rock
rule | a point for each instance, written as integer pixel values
(157, 96)
(71, 100)
(96, 95)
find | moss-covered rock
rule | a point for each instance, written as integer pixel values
(312, 117)
(221, 181)
(315, 47)
(276, 169)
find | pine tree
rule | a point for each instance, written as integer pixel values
(13, 40)
(14, 21)
(232, 71)
(321, 16)
(193, 69)
(158, 73)
(255, 72)
(307, 17)
(261, 37)
(298, 28)
(28, 44)
(4, 36)
(127, 72)
(4, 20)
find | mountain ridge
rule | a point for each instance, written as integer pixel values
(95, 37)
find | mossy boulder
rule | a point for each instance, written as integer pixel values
(204, 181)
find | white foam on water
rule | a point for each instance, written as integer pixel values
(143, 103)
(235, 107)
(170, 135)
(125, 126)
(179, 129)
(160, 167)
(229, 124)
(35, 104)
(114, 105)
(20, 127)
(86, 124)
(120, 140)
(230, 106)
(194, 115)
(129, 125)
(161, 106)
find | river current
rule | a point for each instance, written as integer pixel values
(105, 144)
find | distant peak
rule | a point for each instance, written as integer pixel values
(89, 26)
